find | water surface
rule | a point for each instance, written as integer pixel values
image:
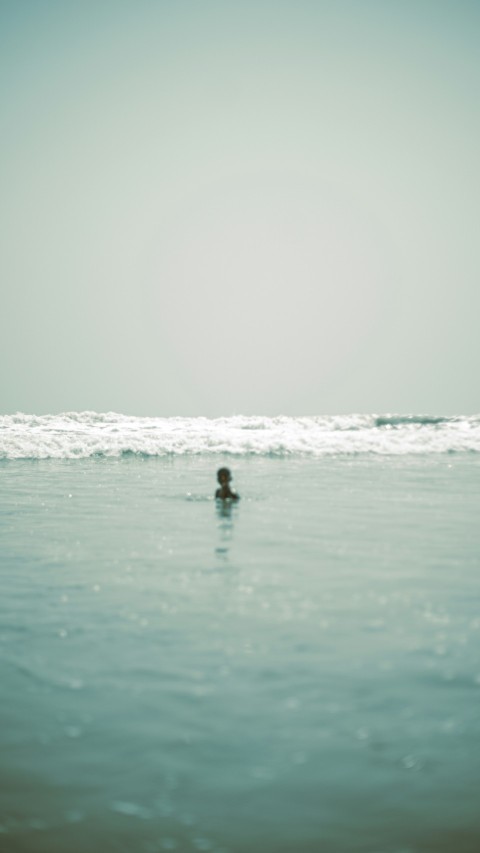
(299, 672)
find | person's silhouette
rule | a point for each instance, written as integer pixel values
(225, 493)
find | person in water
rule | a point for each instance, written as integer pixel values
(225, 493)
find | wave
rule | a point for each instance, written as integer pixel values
(402, 420)
(75, 435)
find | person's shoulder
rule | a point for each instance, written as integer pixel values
(221, 495)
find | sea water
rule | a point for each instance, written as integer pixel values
(296, 672)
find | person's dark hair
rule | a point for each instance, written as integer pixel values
(223, 471)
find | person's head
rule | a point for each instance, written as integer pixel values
(224, 476)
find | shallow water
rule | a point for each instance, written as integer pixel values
(300, 672)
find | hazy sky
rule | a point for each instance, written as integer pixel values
(240, 206)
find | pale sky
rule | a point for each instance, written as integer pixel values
(249, 207)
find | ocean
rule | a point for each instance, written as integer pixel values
(299, 671)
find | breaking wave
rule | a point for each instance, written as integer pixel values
(84, 434)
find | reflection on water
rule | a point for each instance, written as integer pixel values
(224, 508)
(226, 514)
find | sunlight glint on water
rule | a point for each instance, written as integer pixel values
(299, 670)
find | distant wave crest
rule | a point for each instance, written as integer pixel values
(88, 434)
(406, 420)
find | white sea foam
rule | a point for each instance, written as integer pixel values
(83, 434)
